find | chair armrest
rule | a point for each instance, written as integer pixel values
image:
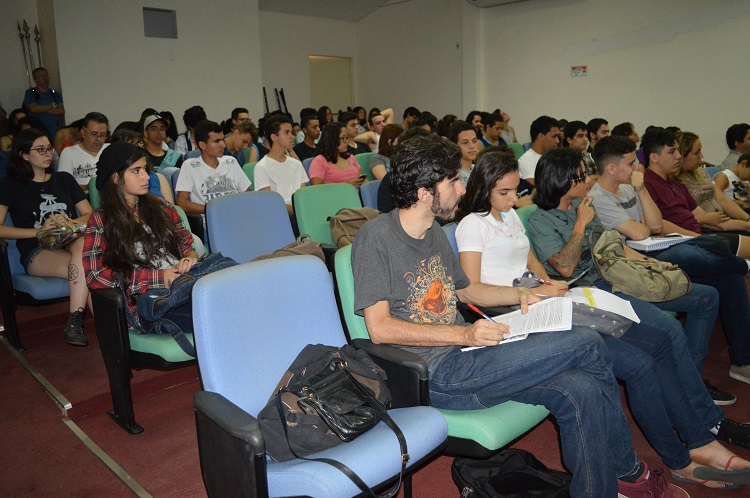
(111, 325)
(470, 316)
(231, 447)
(329, 251)
(196, 226)
(408, 377)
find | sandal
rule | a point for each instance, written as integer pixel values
(737, 477)
(703, 483)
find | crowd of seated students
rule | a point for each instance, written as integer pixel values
(671, 192)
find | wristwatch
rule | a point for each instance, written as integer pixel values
(54, 105)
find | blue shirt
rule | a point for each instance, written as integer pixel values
(51, 121)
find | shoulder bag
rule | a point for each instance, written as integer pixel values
(645, 279)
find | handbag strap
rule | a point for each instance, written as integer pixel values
(382, 414)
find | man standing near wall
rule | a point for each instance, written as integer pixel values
(43, 102)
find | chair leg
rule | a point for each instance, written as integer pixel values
(407, 486)
(11, 325)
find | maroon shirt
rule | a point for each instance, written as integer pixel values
(673, 200)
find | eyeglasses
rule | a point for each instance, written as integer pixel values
(102, 135)
(581, 178)
(43, 151)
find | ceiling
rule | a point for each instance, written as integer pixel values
(343, 10)
(348, 10)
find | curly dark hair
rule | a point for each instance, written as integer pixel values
(123, 231)
(554, 173)
(490, 168)
(422, 161)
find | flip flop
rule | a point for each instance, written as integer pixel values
(692, 481)
(740, 477)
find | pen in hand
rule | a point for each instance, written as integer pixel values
(479, 312)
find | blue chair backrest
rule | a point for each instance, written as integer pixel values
(173, 182)
(306, 164)
(191, 154)
(252, 320)
(450, 232)
(369, 193)
(246, 225)
(526, 146)
(712, 170)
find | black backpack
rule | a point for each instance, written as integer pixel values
(509, 474)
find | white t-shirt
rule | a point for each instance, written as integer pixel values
(527, 163)
(79, 163)
(205, 183)
(729, 191)
(504, 245)
(284, 178)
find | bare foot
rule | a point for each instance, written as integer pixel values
(687, 473)
(715, 455)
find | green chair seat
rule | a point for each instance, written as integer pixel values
(162, 345)
(494, 427)
(249, 170)
(517, 149)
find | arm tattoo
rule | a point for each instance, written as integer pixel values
(72, 273)
(569, 255)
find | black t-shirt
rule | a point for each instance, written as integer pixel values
(30, 203)
(385, 196)
(361, 148)
(156, 161)
(304, 151)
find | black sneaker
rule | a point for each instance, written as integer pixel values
(720, 397)
(73, 331)
(734, 432)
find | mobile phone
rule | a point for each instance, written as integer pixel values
(362, 177)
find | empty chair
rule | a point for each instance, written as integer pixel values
(246, 225)
(251, 321)
(368, 191)
(314, 205)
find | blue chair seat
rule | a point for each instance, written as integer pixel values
(300, 477)
(41, 288)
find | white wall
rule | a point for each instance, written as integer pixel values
(14, 83)
(108, 65)
(672, 62)
(286, 41)
(411, 54)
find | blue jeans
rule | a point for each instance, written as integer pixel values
(658, 401)
(683, 373)
(567, 372)
(725, 273)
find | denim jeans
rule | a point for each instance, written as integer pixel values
(725, 273)
(683, 373)
(570, 373)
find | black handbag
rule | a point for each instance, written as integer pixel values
(328, 396)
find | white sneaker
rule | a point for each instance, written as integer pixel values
(740, 373)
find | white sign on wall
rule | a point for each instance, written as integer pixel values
(576, 71)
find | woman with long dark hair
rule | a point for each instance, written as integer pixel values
(134, 240)
(38, 199)
(334, 163)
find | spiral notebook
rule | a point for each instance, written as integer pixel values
(657, 243)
